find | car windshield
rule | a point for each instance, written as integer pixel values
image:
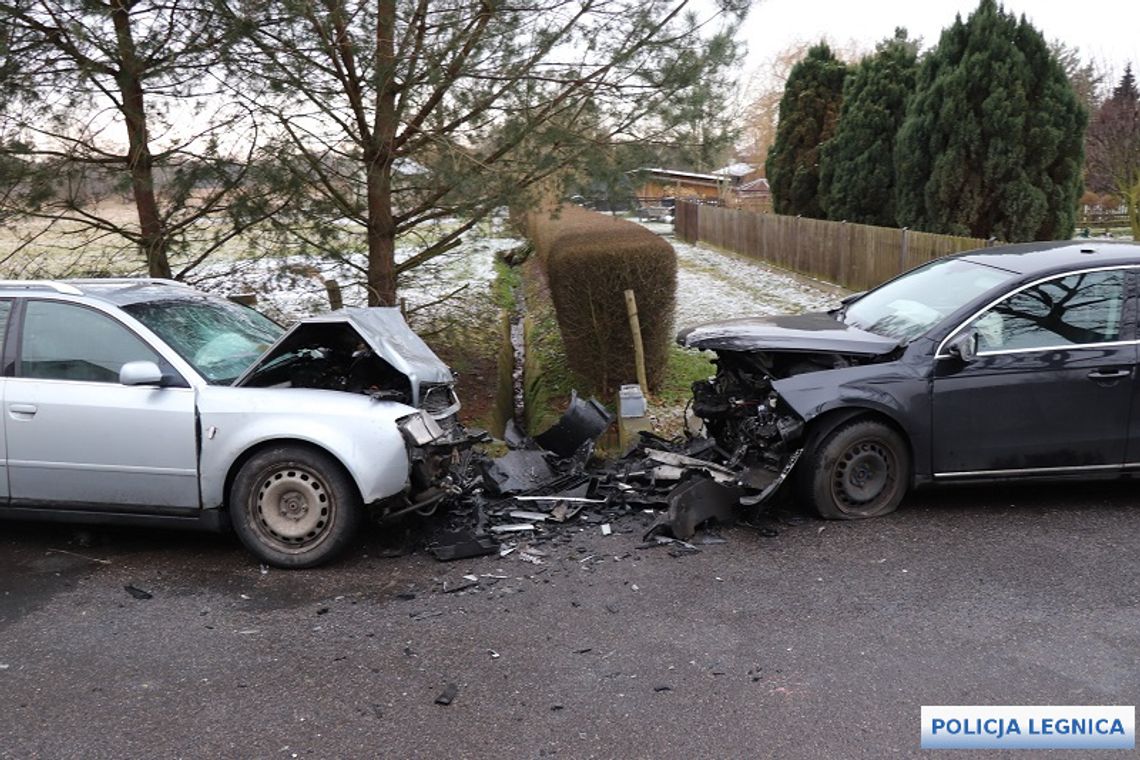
(219, 338)
(908, 306)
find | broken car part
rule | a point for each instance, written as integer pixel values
(695, 502)
(583, 421)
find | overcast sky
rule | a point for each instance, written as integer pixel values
(1106, 31)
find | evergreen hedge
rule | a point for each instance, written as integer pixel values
(590, 260)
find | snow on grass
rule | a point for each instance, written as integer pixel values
(714, 285)
(452, 287)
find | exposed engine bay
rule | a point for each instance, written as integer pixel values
(749, 420)
(369, 351)
(329, 357)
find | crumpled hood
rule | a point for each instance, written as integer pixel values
(384, 330)
(813, 332)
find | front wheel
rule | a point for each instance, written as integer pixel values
(858, 470)
(294, 507)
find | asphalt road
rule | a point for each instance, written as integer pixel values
(821, 642)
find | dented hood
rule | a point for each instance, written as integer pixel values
(817, 332)
(384, 330)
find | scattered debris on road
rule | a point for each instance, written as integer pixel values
(513, 503)
(447, 695)
(80, 556)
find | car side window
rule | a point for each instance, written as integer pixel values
(1073, 310)
(5, 310)
(62, 341)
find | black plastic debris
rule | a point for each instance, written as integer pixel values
(773, 485)
(695, 502)
(515, 438)
(462, 545)
(447, 695)
(582, 422)
(517, 471)
(138, 593)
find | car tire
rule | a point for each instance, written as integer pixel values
(858, 470)
(294, 507)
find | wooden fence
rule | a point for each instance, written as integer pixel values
(855, 256)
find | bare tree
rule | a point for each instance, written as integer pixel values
(110, 96)
(1086, 76)
(396, 113)
(765, 88)
(1113, 148)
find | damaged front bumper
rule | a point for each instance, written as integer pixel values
(759, 435)
(437, 461)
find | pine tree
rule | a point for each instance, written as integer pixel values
(809, 111)
(1126, 90)
(992, 144)
(857, 176)
(102, 98)
(395, 114)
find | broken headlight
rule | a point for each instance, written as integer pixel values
(419, 429)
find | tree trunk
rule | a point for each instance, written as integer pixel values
(381, 224)
(152, 242)
(381, 236)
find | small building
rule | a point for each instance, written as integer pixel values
(755, 195)
(738, 185)
(658, 187)
(735, 175)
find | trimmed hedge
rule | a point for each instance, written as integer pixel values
(591, 259)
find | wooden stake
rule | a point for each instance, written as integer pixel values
(332, 287)
(638, 348)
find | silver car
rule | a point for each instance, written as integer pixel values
(149, 401)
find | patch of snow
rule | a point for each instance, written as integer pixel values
(713, 285)
(453, 286)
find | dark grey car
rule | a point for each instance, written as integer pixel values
(1003, 363)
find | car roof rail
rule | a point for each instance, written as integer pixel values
(52, 285)
(127, 281)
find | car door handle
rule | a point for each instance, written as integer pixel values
(1109, 374)
(22, 411)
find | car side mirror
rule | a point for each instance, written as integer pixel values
(140, 373)
(964, 346)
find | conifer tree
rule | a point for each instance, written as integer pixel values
(992, 144)
(857, 176)
(809, 111)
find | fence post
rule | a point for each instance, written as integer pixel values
(332, 287)
(797, 259)
(638, 348)
(904, 250)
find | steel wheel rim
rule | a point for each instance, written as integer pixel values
(863, 476)
(292, 506)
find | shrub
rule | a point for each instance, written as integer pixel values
(591, 260)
